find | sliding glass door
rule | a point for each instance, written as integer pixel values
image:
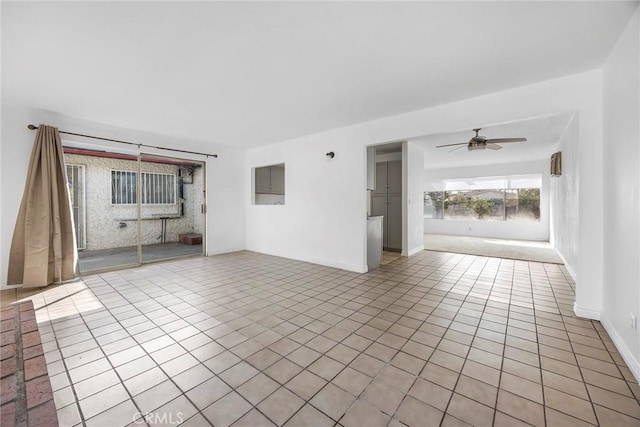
(172, 222)
(129, 209)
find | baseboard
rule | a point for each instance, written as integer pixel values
(415, 251)
(626, 354)
(224, 250)
(320, 261)
(567, 265)
(587, 313)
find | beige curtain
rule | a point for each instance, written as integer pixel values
(43, 249)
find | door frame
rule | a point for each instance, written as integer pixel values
(137, 153)
(83, 213)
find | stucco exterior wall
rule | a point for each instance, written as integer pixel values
(103, 219)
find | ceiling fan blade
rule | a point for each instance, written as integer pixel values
(456, 149)
(503, 140)
(492, 146)
(451, 145)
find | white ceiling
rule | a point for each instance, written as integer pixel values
(252, 73)
(542, 133)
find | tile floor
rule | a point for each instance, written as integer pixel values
(246, 339)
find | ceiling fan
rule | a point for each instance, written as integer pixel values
(480, 142)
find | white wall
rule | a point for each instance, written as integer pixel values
(564, 190)
(324, 217)
(225, 178)
(621, 108)
(413, 171)
(523, 230)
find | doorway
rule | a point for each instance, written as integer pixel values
(131, 209)
(386, 196)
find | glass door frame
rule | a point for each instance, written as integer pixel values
(139, 158)
(203, 211)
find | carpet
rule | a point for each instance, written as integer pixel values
(498, 248)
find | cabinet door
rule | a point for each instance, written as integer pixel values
(381, 178)
(379, 208)
(394, 222)
(277, 179)
(394, 177)
(262, 180)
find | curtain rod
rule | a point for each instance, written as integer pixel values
(33, 127)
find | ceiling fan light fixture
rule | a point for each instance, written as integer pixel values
(477, 145)
(480, 142)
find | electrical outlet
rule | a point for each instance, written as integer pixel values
(634, 323)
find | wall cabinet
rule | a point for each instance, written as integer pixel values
(387, 202)
(270, 179)
(388, 177)
(371, 168)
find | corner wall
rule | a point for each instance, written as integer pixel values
(225, 214)
(621, 110)
(564, 190)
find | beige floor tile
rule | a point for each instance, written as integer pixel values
(611, 400)
(383, 397)
(571, 405)
(326, 367)
(227, 410)
(303, 356)
(440, 375)
(352, 381)
(253, 418)
(306, 384)
(408, 363)
(309, 416)
(280, 405)
(238, 374)
(332, 401)
(263, 358)
(520, 408)
(257, 388)
(283, 370)
(414, 413)
(397, 378)
(608, 417)
(522, 387)
(367, 365)
(482, 373)
(470, 411)
(208, 392)
(560, 419)
(431, 393)
(363, 414)
(522, 370)
(607, 382)
(477, 390)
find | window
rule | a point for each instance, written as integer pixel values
(157, 188)
(490, 198)
(269, 185)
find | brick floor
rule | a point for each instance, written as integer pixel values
(25, 390)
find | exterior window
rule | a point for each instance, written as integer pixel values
(157, 188)
(511, 198)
